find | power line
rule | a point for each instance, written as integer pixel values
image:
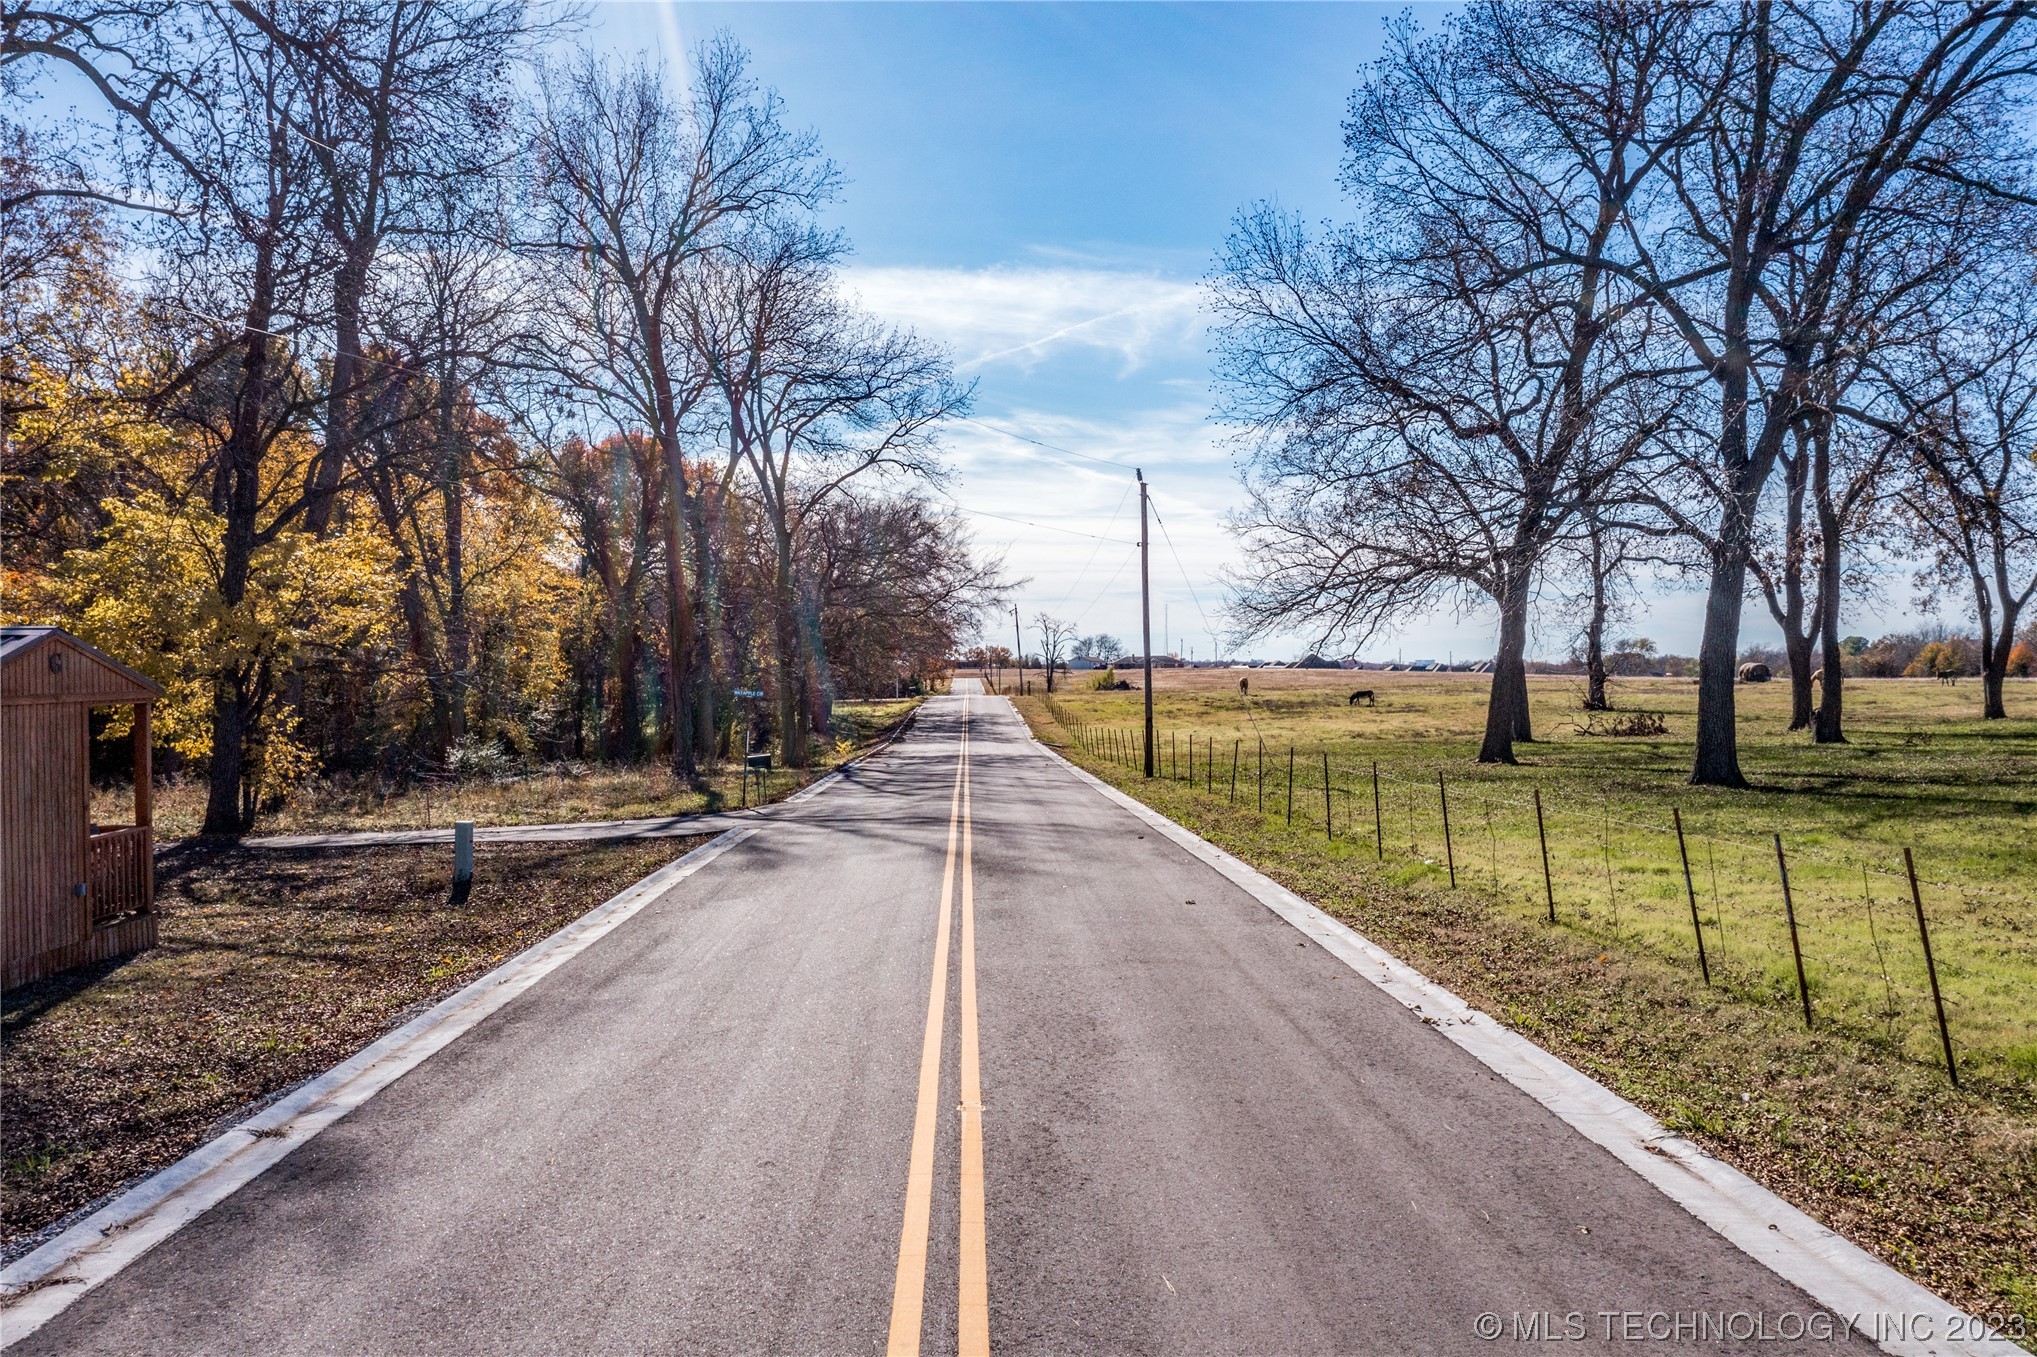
(1106, 585)
(1049, 527)
(1094, 550)
(1038, 443)
(1169, 538)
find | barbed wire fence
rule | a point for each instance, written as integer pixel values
(1860, 937)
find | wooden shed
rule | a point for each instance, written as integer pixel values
(71, 892)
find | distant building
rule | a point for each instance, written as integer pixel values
(1159, 662)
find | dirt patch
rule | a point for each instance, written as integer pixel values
(272, 968)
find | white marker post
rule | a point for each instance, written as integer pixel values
(463, 852)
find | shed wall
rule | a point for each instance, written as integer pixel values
(44, 783)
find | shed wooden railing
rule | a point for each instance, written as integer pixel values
(119, 870)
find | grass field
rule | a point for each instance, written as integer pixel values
(1852, 1119)
(1919, 772)
(539, 794)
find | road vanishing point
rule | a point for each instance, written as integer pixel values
(960, 1054)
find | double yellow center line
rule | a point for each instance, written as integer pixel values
(908, 1296)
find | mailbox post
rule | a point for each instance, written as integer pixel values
(752, 761)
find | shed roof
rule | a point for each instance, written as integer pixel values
(48, 664)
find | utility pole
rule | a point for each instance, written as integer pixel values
(1019, 637)
(1145, 620)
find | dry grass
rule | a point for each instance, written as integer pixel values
(272, 968)
(1844, 1122)
(516, 795)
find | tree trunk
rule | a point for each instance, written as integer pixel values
(700, 681)
(1788, 611)
(1716, 761)
(349, 288)
(1595, 698)
(679, 646)
(626, 718)
(1994, 663)
(459, 643)
(1797, 647)
(1828, 728)
(791, 728)
(237, 497)
(1506, 710)
(1994, 672)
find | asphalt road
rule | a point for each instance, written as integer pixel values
(1197, 1133)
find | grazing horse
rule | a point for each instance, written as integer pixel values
(1362, 695)
(1244, 685)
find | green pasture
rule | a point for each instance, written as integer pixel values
(1920, 771)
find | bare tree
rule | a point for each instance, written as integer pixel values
(635, 190)
(815, 395)
(1972, 482)
(423, 435)
(402, 103)
(1055, 635)
(1436, 394)
(1099, 646)
(1798, 128)
(897, 587)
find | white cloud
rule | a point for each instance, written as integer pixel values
(1021, 315)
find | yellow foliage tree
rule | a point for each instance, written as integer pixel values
(147, 594)
(1937, 657)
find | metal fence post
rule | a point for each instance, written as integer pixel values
(1236, 746)
(1542, 833)
(1789, 910)
(1329, 824)
(1290, 784)
(1378, 822)
(1931, 967)
(1449, 853)
(1704, 964)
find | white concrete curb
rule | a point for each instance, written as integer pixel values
(37, 1287)
(1884, 1305)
